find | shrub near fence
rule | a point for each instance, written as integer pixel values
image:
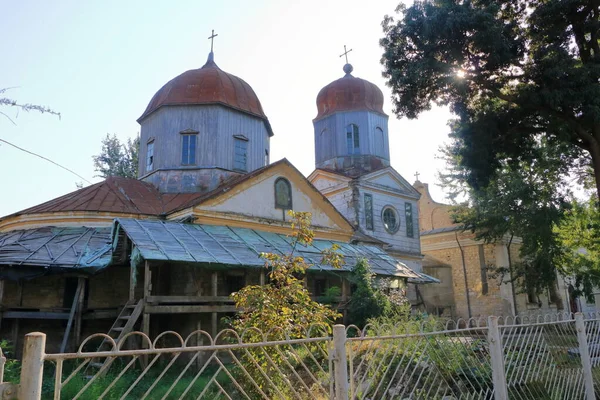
(554, 357)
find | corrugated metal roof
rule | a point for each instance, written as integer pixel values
(211, 244)
(88, 248)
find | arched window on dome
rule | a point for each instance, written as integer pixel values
(379, 142)
(352, 139)
(283, 194)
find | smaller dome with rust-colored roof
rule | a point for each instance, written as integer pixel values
(207, 85)
(349, 94)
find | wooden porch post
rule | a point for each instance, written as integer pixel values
(345, 294)
(132, 278)
(147, 292)
(262, 278)
(15, 325)
(215, 291)
(1, 300)
(79, 311)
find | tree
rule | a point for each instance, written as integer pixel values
(116, 158)
(512, 71)
(284, 302)
(525, 200)
(283, 309)
(578, 233)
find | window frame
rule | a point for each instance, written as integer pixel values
(396, 217)
(150, 157)
(288, 206)
(188, 135)
(239, 139)
(379, 151)
(352, 139)
(369, 220)
(408, 216)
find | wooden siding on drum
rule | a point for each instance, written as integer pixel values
(330, 135)
(216, 126)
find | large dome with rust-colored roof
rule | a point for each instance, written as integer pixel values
(207, 85)
(349, 94)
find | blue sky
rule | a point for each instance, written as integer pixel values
(99, 63)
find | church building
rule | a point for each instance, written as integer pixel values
(164, 251)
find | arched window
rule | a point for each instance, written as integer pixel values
(379, 142)
(283, 194)
(352, 139)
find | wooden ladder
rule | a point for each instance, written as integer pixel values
(124, 324)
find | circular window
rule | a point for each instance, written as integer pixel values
(391, 222)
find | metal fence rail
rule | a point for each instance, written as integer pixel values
(550, 357)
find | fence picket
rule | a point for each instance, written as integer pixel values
(584, 353)
(497, 360)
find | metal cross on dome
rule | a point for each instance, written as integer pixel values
(417, 175)
(212, 37)
(346, 53)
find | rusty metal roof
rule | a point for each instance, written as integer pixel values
(55, 248)
(349, 94)
(231, 246)
(114, 195)
(208, 85)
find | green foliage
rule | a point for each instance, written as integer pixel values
(284, 303)
(512, 71)
(526, 200)
(369, 300)
(116, 158)
(12, 368)
(578, 232)
(283, 307)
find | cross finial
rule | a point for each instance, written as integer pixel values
(417, 175)
(345, 53)
(212, 38)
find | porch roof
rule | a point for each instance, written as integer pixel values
(229, 246)
(54, 248)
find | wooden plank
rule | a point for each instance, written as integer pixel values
(63, 345)
(190, 309)
(1, 299)
(101, 314)
(187, 299)
(15, 328)
(35, 315)
(215, 292)
(79, 312)
(147, 292)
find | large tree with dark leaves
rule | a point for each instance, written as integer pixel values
(513, 71)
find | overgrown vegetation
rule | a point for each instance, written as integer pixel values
(373, 300)
(283, 308)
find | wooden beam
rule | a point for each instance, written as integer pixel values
(215, 292)
(35, 315)
(15, 327)
(190, 309)
(65, 340)
(1, 300)
(132, 281)
(188, 299)
(79, 312)
(147, 292)
(262, 278)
